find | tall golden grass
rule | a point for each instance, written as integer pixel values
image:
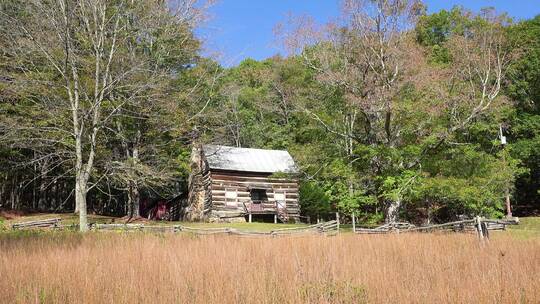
(147, 268)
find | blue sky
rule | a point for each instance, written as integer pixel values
(240, 29)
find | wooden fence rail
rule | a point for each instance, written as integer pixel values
(479, 225)
(320, 228)
(325, 227)
(46, 223)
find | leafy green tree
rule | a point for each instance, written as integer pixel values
(524, 126)
(93, 61)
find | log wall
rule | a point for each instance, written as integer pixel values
(230, 190)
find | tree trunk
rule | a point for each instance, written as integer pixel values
(393, 210)
(77, 191)
(133, 200)
(429, 215)
(12, 195)
(135, 196)
(80, 186)
(34, 191)
(14, 192)
(3, 190)
(42, 193)
(80, 201)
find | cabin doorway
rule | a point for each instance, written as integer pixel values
(258, 196)
(257, 211)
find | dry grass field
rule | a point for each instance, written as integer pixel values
(64, 267)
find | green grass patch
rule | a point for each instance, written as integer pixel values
(528, 227)
(255, 226)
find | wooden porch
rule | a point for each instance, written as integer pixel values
(278, 209)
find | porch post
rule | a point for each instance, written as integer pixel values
(249, 216)
(275, 218)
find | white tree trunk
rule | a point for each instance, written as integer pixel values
(134, 187)
(393, 210)
(80, 200)
(77, 199)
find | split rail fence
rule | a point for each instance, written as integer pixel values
(478, 225)
(46, 223)
(326, 228)
(330, 227)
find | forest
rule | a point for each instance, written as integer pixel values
(391, 113)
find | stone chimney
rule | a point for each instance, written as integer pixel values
(196, 188)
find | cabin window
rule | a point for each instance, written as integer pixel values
(231, 197)
(258, 195)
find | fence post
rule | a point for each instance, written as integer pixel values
(485, 230)
(479, 228)
(337, 220)
(353, 222)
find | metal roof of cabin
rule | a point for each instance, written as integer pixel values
(249, 160)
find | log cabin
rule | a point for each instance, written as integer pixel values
(229, 184)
